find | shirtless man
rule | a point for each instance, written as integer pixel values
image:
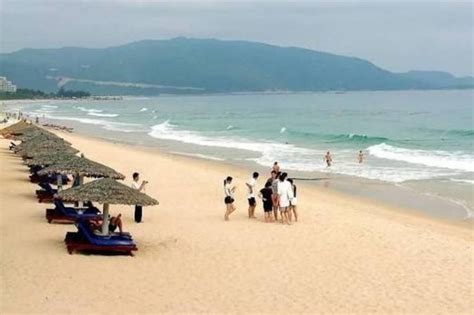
(328, 158)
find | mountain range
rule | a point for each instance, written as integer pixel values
(185, 65)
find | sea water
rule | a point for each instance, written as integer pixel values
(415, 139)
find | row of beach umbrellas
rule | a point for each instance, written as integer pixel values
(55, 156)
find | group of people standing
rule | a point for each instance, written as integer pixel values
(278, 197)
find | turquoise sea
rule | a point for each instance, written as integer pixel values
(407, 137)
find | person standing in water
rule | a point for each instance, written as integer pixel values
(360, 157)
(229, 197)
(251, 195)
(141, 188)
(328, 159)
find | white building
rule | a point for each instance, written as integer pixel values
(7, 86)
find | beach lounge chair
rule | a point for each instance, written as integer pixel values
(46, 194)
(70, 214)
(85, 240)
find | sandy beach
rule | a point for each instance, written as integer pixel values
(345, 255)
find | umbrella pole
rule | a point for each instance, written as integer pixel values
(59, 181)
(81, 181)
(105, 220)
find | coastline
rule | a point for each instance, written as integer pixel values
(345, 255)
(241, 172)
(383, 193)
(422, 188)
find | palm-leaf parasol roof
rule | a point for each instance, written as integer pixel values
(31, 133)
(71, 165)
(49, 148)
(107, 191)
(40, 140)
(16, 128)
(48, 158)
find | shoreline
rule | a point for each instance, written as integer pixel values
(380, 192)
(345, 255)
(434, 196)
(243, 171)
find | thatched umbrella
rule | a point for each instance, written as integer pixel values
(33, 132)
(79, 166)
(48, 148)
(17, 128)
(107, 191)
(40, 139)
(48, 158)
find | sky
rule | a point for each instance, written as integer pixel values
(395, 35)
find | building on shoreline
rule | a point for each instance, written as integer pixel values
(7, 86)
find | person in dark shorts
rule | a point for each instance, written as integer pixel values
(266, 196)
(229, 197)
(251, 195)
(141, 188)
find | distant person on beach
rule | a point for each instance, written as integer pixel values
(285, 194)
(274, 181)
(276, 167)
(251, 195)
(141, 188)
(328, 159)
(37, 120)
(360, 157)
(293, 203)
(229, 191)
(266, 196)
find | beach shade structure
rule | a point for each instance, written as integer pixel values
(48, 158)
(33, 132)
(105, 191)
(16, 129)
(79, 166)
(41, 139)
(34, 149)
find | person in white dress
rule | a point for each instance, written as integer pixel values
(285, 194)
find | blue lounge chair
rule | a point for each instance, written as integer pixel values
(47, 193)
(70, 214)
(85, 239)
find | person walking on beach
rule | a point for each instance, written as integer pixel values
(293, 203)
(274, 181)
(141, 188)
(285, 194)
(328, 159)
(360, 157)
(229, 197)
(266, 196)
(251, 195)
